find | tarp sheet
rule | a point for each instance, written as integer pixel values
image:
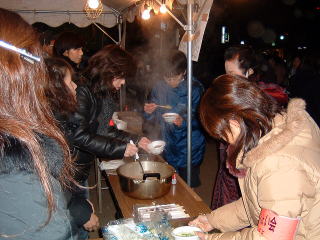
(56, 12)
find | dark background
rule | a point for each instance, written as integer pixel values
(258, 23)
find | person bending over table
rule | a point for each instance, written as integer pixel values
(278, 152)
(87, 143)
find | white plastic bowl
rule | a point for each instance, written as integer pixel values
(156, 147)
(170, 117)
(180, 233)
(121, 125)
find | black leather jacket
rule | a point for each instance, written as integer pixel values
(86, 142)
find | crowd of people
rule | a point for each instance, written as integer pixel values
(55, 120)
(49, 131)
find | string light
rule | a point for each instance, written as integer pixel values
(146, 12)
(163, 8)
(93, 4)
(150, 9)
(93, 9)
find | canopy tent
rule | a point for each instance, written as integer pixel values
(120, 5)
(56, 12)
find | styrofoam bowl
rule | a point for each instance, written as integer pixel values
(179, 232)
(156, 147)
(170, 117)
(121, 125)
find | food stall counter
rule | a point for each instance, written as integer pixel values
(180, 193)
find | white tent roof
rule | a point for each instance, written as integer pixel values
(120, 5)
(56, 12)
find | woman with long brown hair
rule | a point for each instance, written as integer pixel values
(108, 70)
(34, 156)
(277, 151)
(61, 94)
(61, 89)
(88, 142)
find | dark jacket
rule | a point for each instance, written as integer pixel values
(79, 208)
(175, 151)
(86, 142)
(23, 205)
(108, 107)
(77, 77)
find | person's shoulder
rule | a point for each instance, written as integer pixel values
(197, 85)
(196, 82)
(160, 86)
(159, 83)
(83, 90)
(17, 157)
(82, 87)
(12, 149)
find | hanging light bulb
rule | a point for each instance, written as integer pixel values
(93, 4)
(93, 9)
(146, 12)
(163, 8)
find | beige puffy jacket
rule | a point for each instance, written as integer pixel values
(283, 175)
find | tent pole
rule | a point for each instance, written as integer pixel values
(119, 20)
(56, 11)
(105, 33)
(189, 59)
(189, 29)
(123, 88)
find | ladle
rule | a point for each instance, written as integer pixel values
(141, 167)
(137, 158)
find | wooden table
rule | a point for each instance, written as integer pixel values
(180, 194)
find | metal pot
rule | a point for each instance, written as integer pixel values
(154, 183)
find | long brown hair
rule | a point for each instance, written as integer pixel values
(24, 111)
(109, 63)
(60, 98)
(235, 98)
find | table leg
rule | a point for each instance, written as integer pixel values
(118, 213)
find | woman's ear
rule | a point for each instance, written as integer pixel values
(249, 72)
(234, 123)
(235, 131)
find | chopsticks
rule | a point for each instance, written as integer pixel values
(164, 106)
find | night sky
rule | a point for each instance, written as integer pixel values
(258, 23)
(261, 22)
